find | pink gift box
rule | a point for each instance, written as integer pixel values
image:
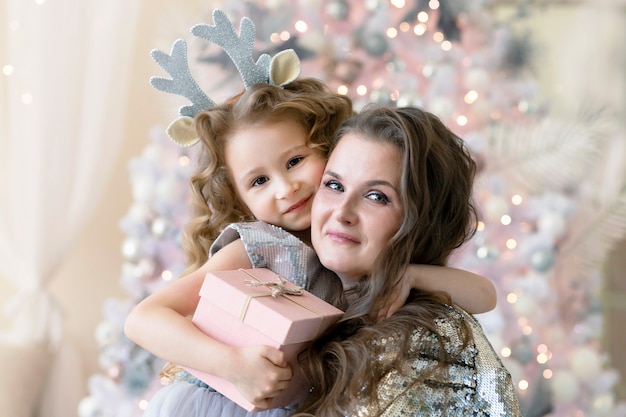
(238, 313)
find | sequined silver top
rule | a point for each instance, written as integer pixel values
(477, 384)
(274, 248)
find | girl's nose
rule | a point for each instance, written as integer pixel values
(286, 189)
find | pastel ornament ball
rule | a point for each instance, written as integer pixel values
(586, 363)
(564, 386)
(89, 407)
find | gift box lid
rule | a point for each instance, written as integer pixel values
(286, 318)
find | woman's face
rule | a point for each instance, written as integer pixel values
(357, 208)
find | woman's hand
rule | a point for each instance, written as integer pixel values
(260, 373)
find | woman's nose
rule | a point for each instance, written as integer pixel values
(345, 212)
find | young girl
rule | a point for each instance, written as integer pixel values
(398, 190)
(264, 158)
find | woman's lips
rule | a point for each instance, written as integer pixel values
(341, 237)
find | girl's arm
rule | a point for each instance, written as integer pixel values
(160, 324)
(473, 293)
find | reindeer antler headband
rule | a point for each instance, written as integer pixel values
(280, 70)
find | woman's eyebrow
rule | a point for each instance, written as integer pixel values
(380, 182)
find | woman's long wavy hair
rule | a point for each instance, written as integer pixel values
(215, 203)
(438, 217)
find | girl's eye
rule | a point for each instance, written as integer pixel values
(333, 185)
(377, 197)
(259, 181)
(294, 161)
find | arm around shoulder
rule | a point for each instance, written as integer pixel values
(472, 292)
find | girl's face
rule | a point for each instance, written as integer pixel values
(275, 173)
(357, 208)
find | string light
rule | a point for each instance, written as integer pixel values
(301, 26)
(419, 29)
(471, 96)
(542, 358)
(516, 199)
(392, 33)
(167, 275)
(523, 385)
(184, 161)
(7, 70)
(422, 17)
(275, 38)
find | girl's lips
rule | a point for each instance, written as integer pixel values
(341, 237)
(298, 206)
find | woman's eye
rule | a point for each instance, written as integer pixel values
(294, 161)
(259, 181)
(377, 197)
(333, 185)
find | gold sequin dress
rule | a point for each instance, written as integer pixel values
(475, 384)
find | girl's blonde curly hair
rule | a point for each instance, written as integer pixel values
(215, 203)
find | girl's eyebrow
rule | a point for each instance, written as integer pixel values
(293, 149)
(245, 177)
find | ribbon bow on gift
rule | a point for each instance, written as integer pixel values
(278, 288)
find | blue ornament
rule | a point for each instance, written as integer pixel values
(338, 9)
(374, 43)
(523, 353)
(542, 260)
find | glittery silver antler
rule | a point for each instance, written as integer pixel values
(280, 70)
(182, 83)
(239, 48)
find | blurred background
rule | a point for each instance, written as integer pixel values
(93, 195)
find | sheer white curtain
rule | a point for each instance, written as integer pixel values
(65, 71)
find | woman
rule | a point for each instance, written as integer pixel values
(397, 190)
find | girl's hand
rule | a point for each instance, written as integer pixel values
(260, 373)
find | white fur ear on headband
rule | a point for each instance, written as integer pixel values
(182, 131)
(284, 68)
(279, 71)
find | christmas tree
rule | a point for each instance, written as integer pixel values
(544, 231)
